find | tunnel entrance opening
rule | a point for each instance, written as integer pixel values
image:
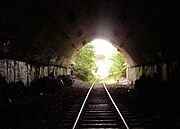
(100, 59)
(110, 62)
(103, 51)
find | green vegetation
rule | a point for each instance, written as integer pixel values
(119, 65)
(84, 63)
(86, 69)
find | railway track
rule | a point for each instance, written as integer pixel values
(99, 111)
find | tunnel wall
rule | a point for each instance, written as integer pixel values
(14, 71)
(167, 71)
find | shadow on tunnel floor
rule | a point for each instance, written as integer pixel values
(155, 102)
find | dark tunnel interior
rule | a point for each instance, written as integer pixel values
(48, 33)
(145, 31)
(38, 38)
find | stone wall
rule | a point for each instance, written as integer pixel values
(167, 71)
(14, 71)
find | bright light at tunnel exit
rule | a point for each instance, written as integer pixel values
(104, 49)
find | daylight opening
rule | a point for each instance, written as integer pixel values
(99, 59)
(103, 53)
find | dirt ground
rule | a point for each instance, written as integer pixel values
(46, 111)
(42, 112)
(155, 109)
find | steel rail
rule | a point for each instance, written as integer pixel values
(79, 114)
(127, 127)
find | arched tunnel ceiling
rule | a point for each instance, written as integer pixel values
(50, 32)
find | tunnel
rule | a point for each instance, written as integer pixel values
(39, 37)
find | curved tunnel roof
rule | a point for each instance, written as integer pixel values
(50, 32)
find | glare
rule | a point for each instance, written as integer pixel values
(105, 48)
